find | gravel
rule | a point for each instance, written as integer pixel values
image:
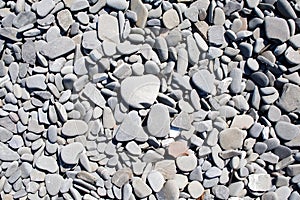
(149, 99)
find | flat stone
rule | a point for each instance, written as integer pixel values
(156, 180)
(187, 162)
(44, 7)
(5, 135)
(259, 182)
(232, 138)
(24, 18)
(193, 50)
(204, 80)
(192, 13)
(177, 148)
(70, 153)
(121, 177)
(277, 29)
(170, 19)
(167, 168)
(117, 4)
(108, 28)
(274, 113)
(94, 95)
(108, 118)
(294, 40)
(169, 191)
(65, 19)
(286, 130)
(140, 188)
(286, 9)
(58, 47)
(140, 9)
(36, 82)
(6, 154)
(133, 148)
(28, 52)
(90, 40)
(78, 5)
(130, 130)
(140, 91)
(74, 128)
(236, 74)
(195, 189)
(289, 100)
(216, 35)
(47, 163)
(126, 48)
(242, 121)
(221, 191)
(158, 123)
(53, 182)
(162, 48)
(213, 172)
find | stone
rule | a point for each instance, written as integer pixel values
(36, 82)
(193, 50)
(187, 163)
(29, 52)
(213, 172)
(178, 148)
(140, 91)
(169, 191)
(74, 128)
(236, 74)
(158, 123)
(195, 189)
(242, 122)
(58, 47)
(204, 80)
(121, 177)
(6, 154)
(216, 35)
(140, 9)
(286, 130)
(133, 148)
(231, 138)
(259, 182)
(289, 100)
(70, 153)
(108, 118)
(286, 9)
(221, 191)
(53, 182)
(117, 4)
(140, 188)
(47, 163)
(5, 135)
(65, 19)
(44, 7)
(108, 28)
(277, 29)
(170, 19)
(292, 56)
(156, 180)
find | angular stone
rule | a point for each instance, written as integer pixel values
(277, 29)
(259, 182)
(65, 19)
(121, 177)
(6, 154)
(36, 82)
(232, 138)
(94, 95)
(140, 9)
(5, 134)
(289, 99)
(58, 47)
(108, 28)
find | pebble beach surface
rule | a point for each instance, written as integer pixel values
(150, 99)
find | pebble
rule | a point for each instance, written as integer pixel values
(53, 182)
(221, 191)
(186, 163)
(156, 180)
(259, 182)
(70, 153)
(74, 128)
(195, 189)
(47, 163)
(273, 32)
(169, 191)
(58, 47)
(286, 130)
(140, 90)
(231, 138)
(141, 189)
(203, 80)
(170, 19)
(158, 121)
(6, 154)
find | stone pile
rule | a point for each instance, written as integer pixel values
(149, 99)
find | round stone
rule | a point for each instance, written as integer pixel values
(74, 128)
(187, 163)
(195, 189)
(286, 130)
(232, 138)
(171, 19)
(156, 180)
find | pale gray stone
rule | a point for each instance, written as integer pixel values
(286, 130)
(108, 28)
(259, 182)
(74, 128)
(277, 29)
(47, 163)
(58, 47)
(158, 123)
(70, 153)
(53, 183)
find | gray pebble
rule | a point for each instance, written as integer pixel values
(286, 130)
